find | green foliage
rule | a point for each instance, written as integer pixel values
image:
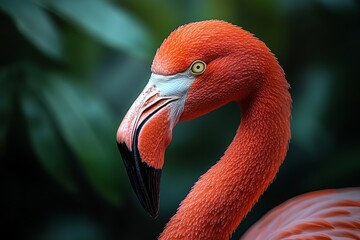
(45, 138)
(61, 115)
(307, 127)
(108, 24)
(36, 25)
(86, 126)
(64, 118)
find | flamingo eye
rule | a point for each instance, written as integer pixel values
(197, 67)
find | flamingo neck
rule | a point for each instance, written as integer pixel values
(226, 192)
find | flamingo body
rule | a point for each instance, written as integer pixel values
(198, 68)
(323, 215)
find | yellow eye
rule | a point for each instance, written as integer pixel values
(197, 67)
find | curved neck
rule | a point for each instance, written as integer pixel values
(226, 192)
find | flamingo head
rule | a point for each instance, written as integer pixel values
(198, 68)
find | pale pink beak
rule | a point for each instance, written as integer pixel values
(142, 138)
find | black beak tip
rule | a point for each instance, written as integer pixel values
(144, 179)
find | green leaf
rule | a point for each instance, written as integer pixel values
(107, 23)
(46, 141)
(89, 130)
(35, 24)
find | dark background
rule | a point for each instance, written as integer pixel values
(69, 70)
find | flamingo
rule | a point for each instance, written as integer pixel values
(202, 66)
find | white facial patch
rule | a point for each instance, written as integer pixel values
(173, 86)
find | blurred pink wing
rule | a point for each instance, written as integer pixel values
(322, 215)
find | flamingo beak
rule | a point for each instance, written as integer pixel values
(145, 180)
(144, 134)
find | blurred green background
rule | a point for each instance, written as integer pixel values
(70, 69)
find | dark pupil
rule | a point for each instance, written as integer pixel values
(198, 67)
